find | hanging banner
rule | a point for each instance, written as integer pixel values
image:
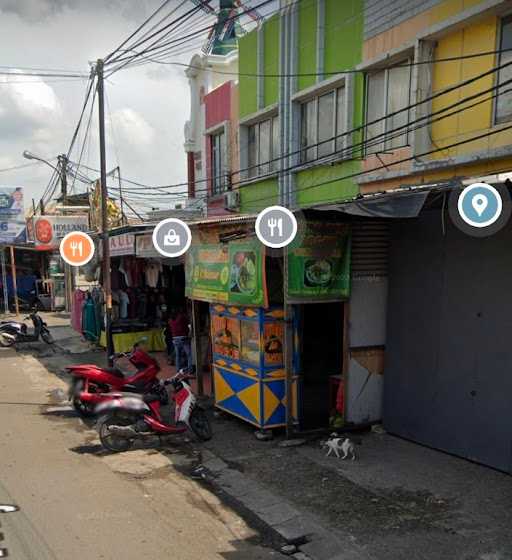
(319, 269)
(47, 231)
(12, 215)
(227, 273)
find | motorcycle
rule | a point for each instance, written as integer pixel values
(12, 332)
(92, 384)
(128, 417)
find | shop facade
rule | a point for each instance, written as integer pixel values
(246, 289)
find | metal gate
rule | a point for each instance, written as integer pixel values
(448, 375)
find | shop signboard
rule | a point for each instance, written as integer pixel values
(227, 273)
(121, 245)
(144, 247)
(319, 268)
(12, 215)
(47, 231)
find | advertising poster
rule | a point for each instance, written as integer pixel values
(207, 273)
(319, 269)
(12, 215)
(273, 343)
(229, 273)
(247, 273)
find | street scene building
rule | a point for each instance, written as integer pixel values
(292, 326)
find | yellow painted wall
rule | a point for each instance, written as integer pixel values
(477, 37)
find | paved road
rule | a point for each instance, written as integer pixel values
(77, 503)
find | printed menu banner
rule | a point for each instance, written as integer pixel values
(319, 269)
(229, 273)
(12, 215)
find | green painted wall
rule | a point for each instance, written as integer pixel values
(248, 64)
(321, 184)
(343, 34)
(307, 43)
(257, 196)
(271, 60)
(343, 51)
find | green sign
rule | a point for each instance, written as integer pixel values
(319, 269)
(227, 273)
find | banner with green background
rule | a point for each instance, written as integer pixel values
(227, 273)
(319, 269)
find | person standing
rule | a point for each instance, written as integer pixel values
(179, 330)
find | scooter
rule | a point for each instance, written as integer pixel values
(12, 332)
(92, 384)
(128, 417)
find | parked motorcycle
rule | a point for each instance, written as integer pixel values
(128, 417)
(12, 332)
(92, 384)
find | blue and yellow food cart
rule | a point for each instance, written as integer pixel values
(248, 364)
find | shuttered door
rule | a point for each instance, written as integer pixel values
(370, 248)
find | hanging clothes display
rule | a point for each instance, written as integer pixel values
(76, 310)
(153, 270)
(90, 326)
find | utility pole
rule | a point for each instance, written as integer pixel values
(104, 216)
(68, 273)
(63, 167)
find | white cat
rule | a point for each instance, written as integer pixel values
(336, 444)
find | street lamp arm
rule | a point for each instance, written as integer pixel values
(30, 155)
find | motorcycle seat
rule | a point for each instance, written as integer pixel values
(150, 397)
(114, 371)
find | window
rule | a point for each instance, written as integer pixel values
(388, 91)
(323, 122)
(504, 99)
(219, 172)
(263, 147)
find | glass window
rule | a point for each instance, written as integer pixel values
(504, 99)
(219, 179)
(252, 150)
(322, 120)
(388, 91)
(375, 110)
(326, 124)
(263, 147)
(341, 120)
(275, 144)
(265, 144)
(250, 350)
(398, 98)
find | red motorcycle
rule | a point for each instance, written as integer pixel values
(127, 417)
(92, 384)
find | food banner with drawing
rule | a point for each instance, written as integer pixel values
(227, 273)
(319, 267)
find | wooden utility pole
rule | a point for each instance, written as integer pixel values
(14, 283)
(63, 167)
(104, 215)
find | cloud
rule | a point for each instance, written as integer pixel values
(131, 128)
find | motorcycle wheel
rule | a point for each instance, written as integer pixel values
(200, 424)
(116, 444)
(84, 409)
(6, 341)
(47, 336)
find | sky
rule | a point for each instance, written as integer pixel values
(146, 107)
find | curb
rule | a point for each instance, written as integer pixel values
(312, 540)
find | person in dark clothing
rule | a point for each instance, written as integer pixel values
(178, 329)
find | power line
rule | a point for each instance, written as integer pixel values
(129, 59)
(336, 72)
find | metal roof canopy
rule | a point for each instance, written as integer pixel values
(403, 202)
